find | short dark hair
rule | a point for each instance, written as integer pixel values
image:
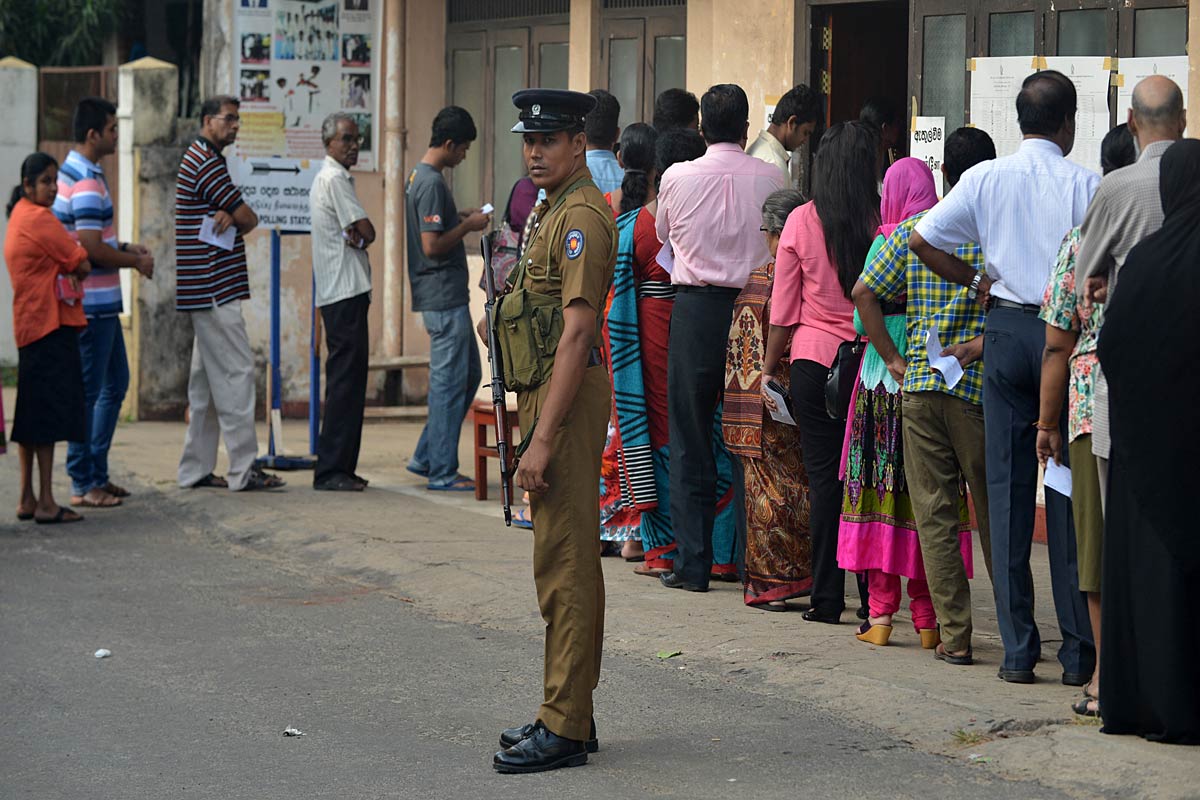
(1117, 149)
(880, 111)
(33, 166)
(601, 122)
(800, 102)
(965, 148)
(213, 105)
(91, 114)
(676, 145)
(675, 108)
(453, 124)
(1047, 99)
(724, 114)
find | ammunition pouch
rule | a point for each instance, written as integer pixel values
(528, 326)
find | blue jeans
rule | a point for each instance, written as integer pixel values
(454, 376)
(105, 380)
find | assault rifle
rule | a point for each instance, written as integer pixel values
(499, 402)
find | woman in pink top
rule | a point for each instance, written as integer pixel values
(821, 254)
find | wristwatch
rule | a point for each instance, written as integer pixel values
(973, 289)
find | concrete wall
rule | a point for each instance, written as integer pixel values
(18, 138)
(1193, 68)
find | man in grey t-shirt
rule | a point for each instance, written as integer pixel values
(437, 271)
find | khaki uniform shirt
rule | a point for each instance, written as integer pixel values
(572, 251)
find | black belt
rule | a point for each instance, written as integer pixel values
(1024, 308)
(707, 289)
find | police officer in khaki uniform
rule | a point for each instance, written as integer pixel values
(567, 267)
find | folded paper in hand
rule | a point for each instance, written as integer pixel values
(222, 240)
(666, 257)
(1058, 477)
(951, 370)
(781, 412)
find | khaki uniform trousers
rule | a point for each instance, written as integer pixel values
(566, 553)
(943, 436)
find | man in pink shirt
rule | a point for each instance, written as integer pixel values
(709, 213)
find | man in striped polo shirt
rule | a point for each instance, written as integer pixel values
(85, 207)
(210, 283)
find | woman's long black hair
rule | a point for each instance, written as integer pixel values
(846, 196)
(637, 154)
(31, 167)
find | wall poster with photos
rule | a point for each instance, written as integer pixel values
(299, 61)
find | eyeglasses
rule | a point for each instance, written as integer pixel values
(348, 139)
(764, 229)
(230, 118)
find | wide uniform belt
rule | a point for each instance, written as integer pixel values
(1024, 308)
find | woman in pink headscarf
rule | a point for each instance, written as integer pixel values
(878, 533)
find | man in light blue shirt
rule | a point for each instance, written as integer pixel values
(602, 127)
(1019, 208)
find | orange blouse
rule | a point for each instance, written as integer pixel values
(37, 249)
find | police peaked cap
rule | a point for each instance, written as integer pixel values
(549, 110)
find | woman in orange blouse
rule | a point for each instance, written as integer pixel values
(46, 267)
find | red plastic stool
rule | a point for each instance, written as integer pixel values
(483, 416)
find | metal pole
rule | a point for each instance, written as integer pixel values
(276, 376)
(314, 377)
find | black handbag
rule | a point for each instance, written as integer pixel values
(839, 381)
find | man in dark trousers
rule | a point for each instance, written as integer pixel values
(341, 234)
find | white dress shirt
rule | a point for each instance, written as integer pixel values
(769, 149)
(340, 270)
(1018, 208)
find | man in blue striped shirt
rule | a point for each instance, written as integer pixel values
(85, 208)
(1019, 208)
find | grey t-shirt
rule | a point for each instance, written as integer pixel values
(438, 284)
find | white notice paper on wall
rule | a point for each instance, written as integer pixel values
(995, 83)
(1091, 76)
(222, 240)
(928, 143)
(951, 370)
(1132, 70)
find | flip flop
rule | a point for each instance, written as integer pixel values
(770, 607)
(60, 518)
(521, 519)
(210, 481)
(1083, 707)
(24, 517)
(114, 490)
(459, 484)
(81, 501)
(650, 572)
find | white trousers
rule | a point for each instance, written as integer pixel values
(221, 397)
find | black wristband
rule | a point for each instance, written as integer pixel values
(123, 247)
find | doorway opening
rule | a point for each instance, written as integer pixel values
(860, 51)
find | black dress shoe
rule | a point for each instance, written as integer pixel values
(817, 615)
(1016, 675)
(542, 750)
(672, 580)
(513, 736)
(338, 482)
(1076, 678)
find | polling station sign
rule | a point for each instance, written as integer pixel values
(277, 190)
(928, 143)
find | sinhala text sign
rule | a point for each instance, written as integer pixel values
(277, 189)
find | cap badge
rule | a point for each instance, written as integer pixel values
(537, 110)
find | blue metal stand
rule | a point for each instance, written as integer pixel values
(275, 460)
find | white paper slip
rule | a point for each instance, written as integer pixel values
(951, 370)
(666, 257)
(222, 240)
(487, 208)
(781, 412)
(1058, 477)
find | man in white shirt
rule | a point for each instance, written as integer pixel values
(1019, 208)
(796, 115)
(341, 234)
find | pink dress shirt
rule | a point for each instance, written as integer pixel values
(806, 294)
(711, 211)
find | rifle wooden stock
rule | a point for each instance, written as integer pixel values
(499, 401)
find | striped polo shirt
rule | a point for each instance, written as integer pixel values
(206, 275)
(84, 204)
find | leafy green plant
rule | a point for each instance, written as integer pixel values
(60, 33)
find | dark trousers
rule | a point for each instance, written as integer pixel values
(700, 322)
(821, 443)
(1012, 369)
(345, 386)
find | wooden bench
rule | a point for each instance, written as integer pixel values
(483, 416)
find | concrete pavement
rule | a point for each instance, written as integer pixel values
(456, 562)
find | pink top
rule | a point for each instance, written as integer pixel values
(806, 295)
(711, 210)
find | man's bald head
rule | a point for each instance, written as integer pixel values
(1157, 108)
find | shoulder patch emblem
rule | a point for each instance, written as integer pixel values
(574, 243)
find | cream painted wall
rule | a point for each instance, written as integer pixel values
(747, 42)
(583, 64)
(1194, 68)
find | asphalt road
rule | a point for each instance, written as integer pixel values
(216, 651)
